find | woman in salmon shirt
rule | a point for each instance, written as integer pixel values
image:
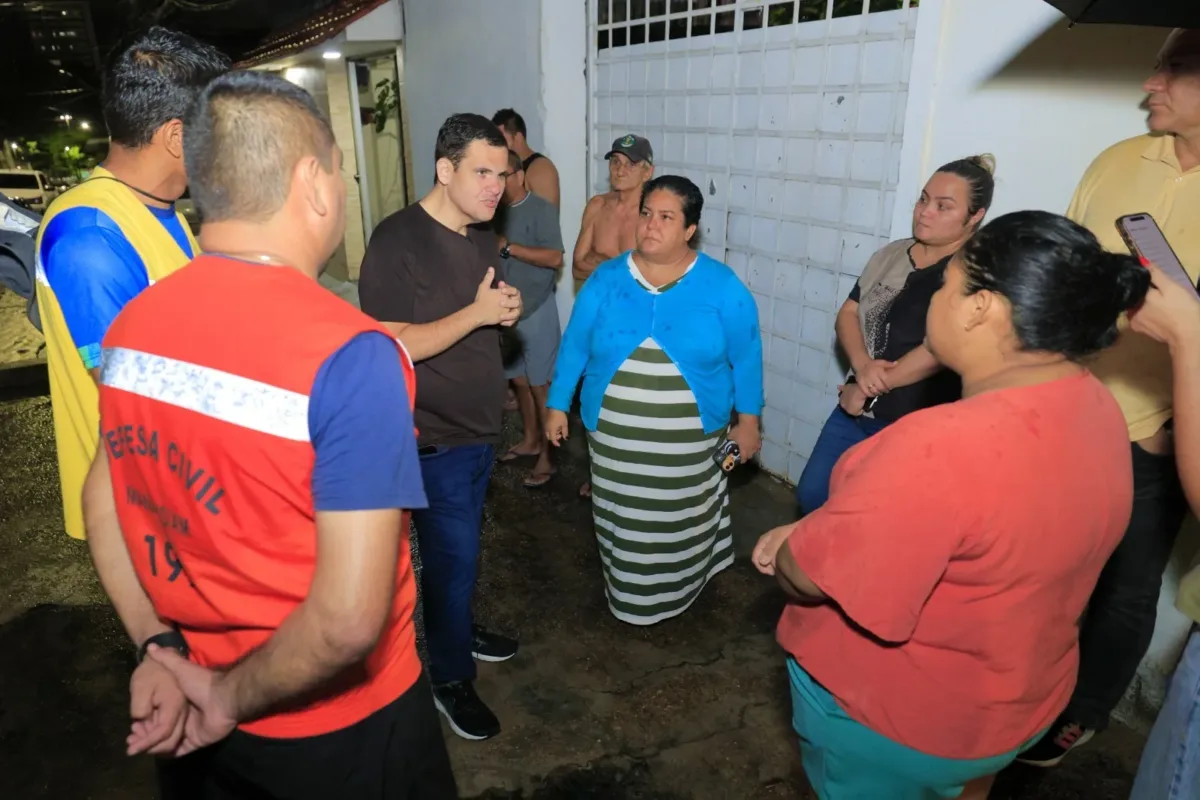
(933, 634)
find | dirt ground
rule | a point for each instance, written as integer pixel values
(19, 340)
(696, 707)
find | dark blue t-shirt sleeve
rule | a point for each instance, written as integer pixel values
(94, 271)
(362, 430)
(855, 293)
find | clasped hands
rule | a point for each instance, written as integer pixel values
(871, 379)
(177, 706)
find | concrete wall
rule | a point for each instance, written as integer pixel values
(1011, 79)
(563, 107)
(469, 56)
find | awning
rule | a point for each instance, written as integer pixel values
(311, 32)
(1155, 13)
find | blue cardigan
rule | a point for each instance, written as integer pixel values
(707, 324)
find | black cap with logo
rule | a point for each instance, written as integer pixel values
(636, 148)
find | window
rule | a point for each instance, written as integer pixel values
(621, 23)
(19, 180)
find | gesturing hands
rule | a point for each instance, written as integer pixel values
(499, 305)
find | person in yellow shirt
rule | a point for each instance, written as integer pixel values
(114, 234)
(1159, 174)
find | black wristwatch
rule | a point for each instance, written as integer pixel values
(505, 251)
(171, 639)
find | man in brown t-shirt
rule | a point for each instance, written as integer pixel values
(432, 275)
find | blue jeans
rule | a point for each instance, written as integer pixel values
(456, 480)
(1170, 768)
(840, 433)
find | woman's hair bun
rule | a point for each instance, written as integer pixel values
(985, 161)
(1131, 279)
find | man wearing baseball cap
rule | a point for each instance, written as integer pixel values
(635, 148)
(610, 219)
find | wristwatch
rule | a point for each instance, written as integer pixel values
(505, 251)
(171, 639)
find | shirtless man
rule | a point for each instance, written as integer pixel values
(610, 220)
(541, 176)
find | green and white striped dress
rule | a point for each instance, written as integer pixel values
(659, 502)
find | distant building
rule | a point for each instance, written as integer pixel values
(62, 31)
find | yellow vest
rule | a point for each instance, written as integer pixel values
(73, 395)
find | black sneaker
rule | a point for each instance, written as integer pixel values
(1063, 737)
(469, 717)
(488, 646)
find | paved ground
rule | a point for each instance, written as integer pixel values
(692, 708)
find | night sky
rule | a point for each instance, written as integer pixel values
(37, 91)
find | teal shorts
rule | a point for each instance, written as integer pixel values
(846, 760)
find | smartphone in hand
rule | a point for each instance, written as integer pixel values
(727, 455)
(1144, 238)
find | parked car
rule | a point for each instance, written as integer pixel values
(27, 187)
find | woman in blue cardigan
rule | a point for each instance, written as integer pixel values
(667, 345)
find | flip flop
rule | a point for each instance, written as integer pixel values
(513, 455)
(537, 480)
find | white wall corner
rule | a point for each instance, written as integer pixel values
(932, 21)
(383, 24)
(562, 105)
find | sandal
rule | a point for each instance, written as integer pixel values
(537, 480)
(513, 455)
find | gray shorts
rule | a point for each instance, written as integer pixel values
(539, 334)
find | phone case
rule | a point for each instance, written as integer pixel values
(1173, 268)
(728, 455)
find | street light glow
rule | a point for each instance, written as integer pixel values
(85, 125)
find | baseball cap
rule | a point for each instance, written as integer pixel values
(635, 148)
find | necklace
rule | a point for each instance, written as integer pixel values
(253, 258)
(142, 192)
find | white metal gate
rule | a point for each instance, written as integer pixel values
(789, 116)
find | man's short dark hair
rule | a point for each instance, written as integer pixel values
(511, 121)
(457, 133)
(242, 140)
(152, 79)
(515, 162)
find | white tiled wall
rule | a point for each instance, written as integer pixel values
(793, 134)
